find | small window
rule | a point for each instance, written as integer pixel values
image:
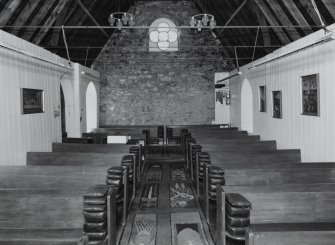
(163, 36)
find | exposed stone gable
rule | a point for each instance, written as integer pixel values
(142, 87)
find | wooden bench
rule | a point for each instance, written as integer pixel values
(289, 210)
(281, 176)
(51, 177)
(99, 148)
(239, 159)
(229, 158)
(46, 216)
(271, 178)
(252, 146)
(94, 148)
(73, 158)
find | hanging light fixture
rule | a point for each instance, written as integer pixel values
(120, 19)
(202, 20)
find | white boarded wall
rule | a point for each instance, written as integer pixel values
(32, 132)
(315, 136)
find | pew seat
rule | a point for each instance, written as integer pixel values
(40, 236)
(291, 234)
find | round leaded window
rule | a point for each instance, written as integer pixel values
(163, 36)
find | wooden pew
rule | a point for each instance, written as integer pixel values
(299, 175)
(284, 215)
(46, 216)
(94, 148)
(252, 146)
(101, 148)
(73, 158)
(51, 177)
(246, 159)
(307, 175)
(231, 140)
(254, 157)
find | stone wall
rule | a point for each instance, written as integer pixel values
(140, 87)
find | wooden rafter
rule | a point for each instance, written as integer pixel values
(78, 18)
(297, 15)
(330, 5)
(273, 22)
(281, 15)
(60, 21)
(91, 17)
(40, 15)
(50, 21)
(310, 10)
(234, 14)
(27, 11)
(242, 20)
(8, 11)
(262, 22)
(222, 40)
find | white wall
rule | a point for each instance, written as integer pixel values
(313, 135)
(36, 132)
(30, 132)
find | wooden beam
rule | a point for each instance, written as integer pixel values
(262, 22)
(222, 40)
(308, 6)
(59, 22)
(269, 17)
(92, 18)
(50, 21)
(330, 5)
(78, 19)
(40, 15)
(297, 15)
(284, 19)
(242, 20)
(25, 14)
(8, 11)
(234, 14)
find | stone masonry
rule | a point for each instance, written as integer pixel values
(141, 87)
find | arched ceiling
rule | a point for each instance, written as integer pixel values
(38, 21)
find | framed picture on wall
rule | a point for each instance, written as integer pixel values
(262, 98)
(32, 101)
(310, 95)
(277, 104)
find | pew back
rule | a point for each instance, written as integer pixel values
(279, 176)
(94, 148)
(38, 209)
(73, 158)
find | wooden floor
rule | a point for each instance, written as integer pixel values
(174, 215)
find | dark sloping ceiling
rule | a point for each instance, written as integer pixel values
(38, 21)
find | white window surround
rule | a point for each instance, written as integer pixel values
(163, 36)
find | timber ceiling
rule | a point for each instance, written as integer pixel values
(38, 21)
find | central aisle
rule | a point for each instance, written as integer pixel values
(165, 210)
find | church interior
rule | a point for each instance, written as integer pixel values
(167, 122)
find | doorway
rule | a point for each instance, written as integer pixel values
(91, 108)
(62, 108)
(247, 120)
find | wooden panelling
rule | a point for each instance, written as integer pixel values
(30, 132)
(313, 135)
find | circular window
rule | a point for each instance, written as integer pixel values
(163, 36)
